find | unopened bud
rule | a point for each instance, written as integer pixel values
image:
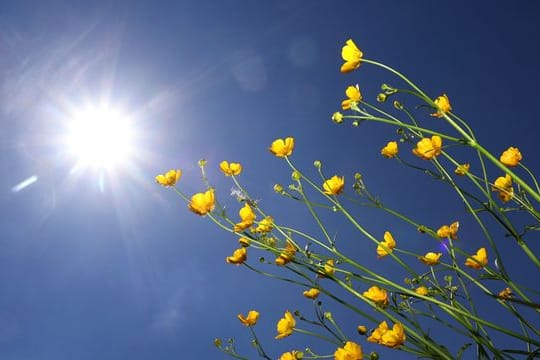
(296, 175)
(398, 105)
(381, 97)
(278, 188)
(317, 164)
(337, 117)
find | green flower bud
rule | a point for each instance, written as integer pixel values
(317, 164)
(381, 97)
(296, 175)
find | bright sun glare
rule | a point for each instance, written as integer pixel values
(99, 138)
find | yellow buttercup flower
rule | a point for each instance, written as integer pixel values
(511, 156)
(291, 355)
(422, 290)
(430, 258)
(428, 148)
(462, 169)
(377, 295)
(170, 178)
(334, 185)
(446, 231)
(352, 56)
(285, 325)
(202, 203)
(385, 247)
(504, 186)
(377, 334)
(250, 319)
(443, 105)
(391, 338)
(230, 168)
(238, 257)
(265, 225)
(351, 351)
(287, 255)
(394, 338)
(353, 97)
(390, 150)
(328, 270)
(282, 148)
(247, 217)
(312, 293)
(479, 260)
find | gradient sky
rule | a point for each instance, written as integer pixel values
(111, 266)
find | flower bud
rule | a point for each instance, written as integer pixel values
(374, 356)
(202, 163)
(317, 164)
(381, 97)
(337, 117)
(361, 329)
(355, 123)
(217, 342)
(296, 175)
(278, 188)
(328, 315)
(398, 105)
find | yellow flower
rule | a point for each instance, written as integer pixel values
(202, 203)
(291, 355)
(352, 56)
(250, 319)
(170, 178)
(244, 241)
(351, 351)
(385, 247)
(504, 186)
(238, 257)
(394, 338)
(312, 293)
(265, 225)
(446, 231)
(443, 105)
(337, 117)
(506, 293)
(285, 325)
(511, 156)
(377, 334)
(230, 169)
(353, 97)
(361, 329)
(390, 150)
(479, 260)
(287, 255)
(377, 295)
(391, 338)
(282, 148)
(334, 185)
(328, 270)
(462, 169)
(428, 148)
(430, 258)
(422, 290)
(247, 217)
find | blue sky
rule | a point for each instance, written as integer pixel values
(119, 268)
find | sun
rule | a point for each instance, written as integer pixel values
(100, 138)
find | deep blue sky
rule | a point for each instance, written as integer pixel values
(125, 271)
